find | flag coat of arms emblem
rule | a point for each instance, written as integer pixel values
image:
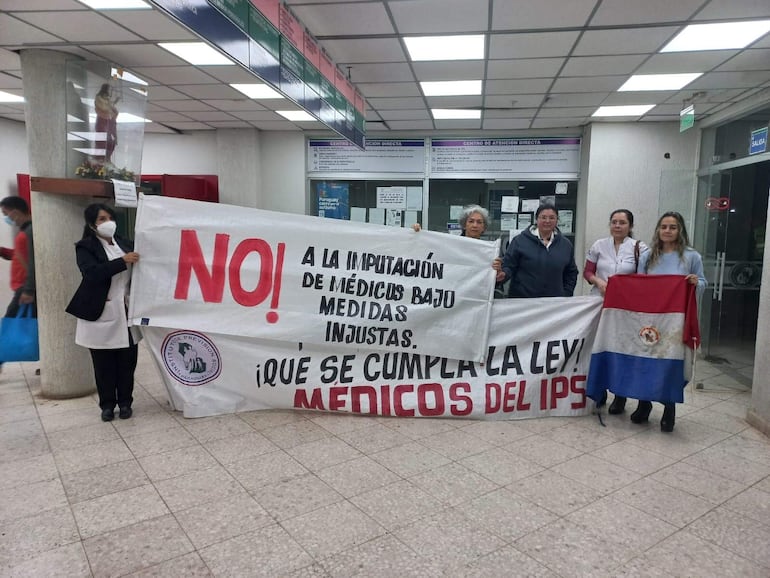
(647, 332)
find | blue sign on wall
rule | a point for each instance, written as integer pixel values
(758, 143)
(333, 200)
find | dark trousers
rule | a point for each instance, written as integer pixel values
(13, 306)
(114, 373)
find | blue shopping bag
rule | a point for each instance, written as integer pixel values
(18, 337)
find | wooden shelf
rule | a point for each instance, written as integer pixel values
(78, 187)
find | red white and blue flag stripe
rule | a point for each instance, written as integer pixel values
(647, 331)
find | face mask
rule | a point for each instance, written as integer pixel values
(106, 229)
(8, 220)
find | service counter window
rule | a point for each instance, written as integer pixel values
(511, 204)
(396, 203)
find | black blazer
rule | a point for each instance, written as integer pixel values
(91, 296)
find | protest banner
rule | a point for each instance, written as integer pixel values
(294, 278)
(535, 366)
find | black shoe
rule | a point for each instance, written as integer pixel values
(618, 405)
(642, 412)
(125, 412)
(669, 415)
(108, 414)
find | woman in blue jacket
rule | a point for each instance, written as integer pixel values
(540, 262)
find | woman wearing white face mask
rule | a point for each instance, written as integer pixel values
(100, 304)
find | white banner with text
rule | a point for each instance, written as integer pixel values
(244, 272)
(534, 366)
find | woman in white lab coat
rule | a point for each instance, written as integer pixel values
(100, 304)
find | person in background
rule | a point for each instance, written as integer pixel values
(669, 254)
(540, 261)
(100, 304)
(22, 256)
(617, 254)
(474, 220)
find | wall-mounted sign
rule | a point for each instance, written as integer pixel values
(380, 156)
(265, 37)
(758, 143)
(686, 118)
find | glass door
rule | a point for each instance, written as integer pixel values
(731, 217)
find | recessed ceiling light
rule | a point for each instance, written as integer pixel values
(198, 53)
(463, 47)
(123, 118)
(719, 36)
(455, 113)
(659, 81)
(295, 115)
(116, 4)
(626, 110)
(127, 76)
(256, 90)
(451, 87)
(8, 97)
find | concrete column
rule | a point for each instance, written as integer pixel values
(759, 412)
(57, 222)
(240, 170)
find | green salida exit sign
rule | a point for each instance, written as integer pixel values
(686, 118)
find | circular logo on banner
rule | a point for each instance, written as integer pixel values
(191, 357)
(649, 335)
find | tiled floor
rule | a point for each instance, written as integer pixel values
(306, 494)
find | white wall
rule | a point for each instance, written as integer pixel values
(181, 154)
(283, 172)
(626, 165)
(13, 159)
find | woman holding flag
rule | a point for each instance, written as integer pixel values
(670, 254)
(617, 254)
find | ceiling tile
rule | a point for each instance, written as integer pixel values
(37, 5)
(624, 40)
(673, 62)
(641, 97)
(524, 45)
(256, 115)
(589, 84)
(457, 16)
(8, 81)
(389, 89)
(754, 59)
(129, 55)
(173, 75)
(186, 105)
(209, 115)
(563, 100)
(728, 9)
(560, 122)
(275, 125)
(364, 50)
(518, 86)
(396, 103)
(15, 32)
(9, 60)
(411, 125)
(230, 74)
(445, 70)
(508, 15)
(375, 126)
(578, 112)
(419, 114)
(166, 116)
(509, 113)
(504, 123)
(345, 19)
(384, 72)
(601, 65)
(226, 123)
(454, 101)
(733, 79)
(524, 68)
(153, 25)
(189, 125)
(516, 100)
(243, 104)
(208, 91)
(650, 11)
(155, 127)
(79, 26)
(164, 93)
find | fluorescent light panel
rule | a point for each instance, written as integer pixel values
(256, 91)
(455, 113)
(718, 36)
(451, 87)
(116, 4)
(123, 118)
(658, 81)
(8, 97)
(296, 115)
(198, 53)
(626, 110)
(463, 47)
